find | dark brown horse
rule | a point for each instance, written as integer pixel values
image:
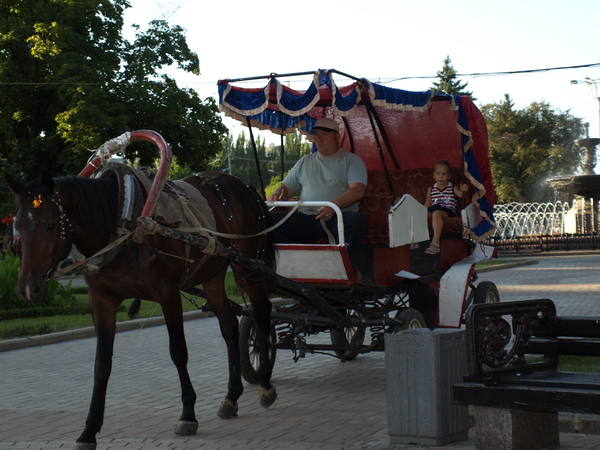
(56, 213)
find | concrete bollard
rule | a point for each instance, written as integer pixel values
(421, 367)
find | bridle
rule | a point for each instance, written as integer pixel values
(63, 224)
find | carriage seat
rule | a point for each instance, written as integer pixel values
(416, 182)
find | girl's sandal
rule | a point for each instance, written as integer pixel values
(433, 249)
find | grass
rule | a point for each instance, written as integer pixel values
(494, 262)
(15, 328)
(585, 364)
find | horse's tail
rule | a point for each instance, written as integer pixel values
(134, 308)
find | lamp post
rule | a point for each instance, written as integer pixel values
(589, 143)
(593, 84)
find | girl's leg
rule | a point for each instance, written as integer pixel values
(437, 222)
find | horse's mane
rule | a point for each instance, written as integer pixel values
(95, 200)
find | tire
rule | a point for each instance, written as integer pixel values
(486, 292)
(412, 319)
(344, 336)
(249, 352)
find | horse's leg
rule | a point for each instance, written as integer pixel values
(172, 312)
(228, 322)
(103, 310)
(261, 314)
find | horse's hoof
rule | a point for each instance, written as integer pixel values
(184, 428)
(85, 446)
(228, 409)
(267, 397)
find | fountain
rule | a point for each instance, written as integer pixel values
(582, 217)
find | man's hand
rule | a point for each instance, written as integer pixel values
(281, 193)
(325, 213)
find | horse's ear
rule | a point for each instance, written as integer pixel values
(16, 186)
(47, 181)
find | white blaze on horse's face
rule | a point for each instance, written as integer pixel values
(37, 222)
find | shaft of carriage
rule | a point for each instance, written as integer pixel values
(332, 317)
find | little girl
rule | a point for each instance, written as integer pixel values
(441, 202)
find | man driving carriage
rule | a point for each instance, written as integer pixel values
(330, 174)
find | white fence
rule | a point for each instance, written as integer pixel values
(525, 219)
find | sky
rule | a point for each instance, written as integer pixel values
(402, 40)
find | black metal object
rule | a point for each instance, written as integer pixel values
(513, 350)
(554, 391)
(292, 74)
(255, 150)
(545, 243)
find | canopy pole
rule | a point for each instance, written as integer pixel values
(281, 150)
(349, 131)
(385, 167)
(383, 134)
(293, 74)
(462, 171)
(260, 177)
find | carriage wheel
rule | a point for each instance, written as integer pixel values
(348, 337)
(412, 319)
(249, 351)
(486, 292)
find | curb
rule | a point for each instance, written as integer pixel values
(526, 262)
(80, 333)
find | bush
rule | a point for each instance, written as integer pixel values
(9, 278)
(24, 330)
(57, 294)
(45, 311)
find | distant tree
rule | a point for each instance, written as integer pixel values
(295, 147)
(240, 152)
(528, 146)
(237, 156)
(69, 81)
(448, 81)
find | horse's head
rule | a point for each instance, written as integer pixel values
(45, 233)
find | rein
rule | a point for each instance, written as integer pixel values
(212, 249)
(60, 272)
(244, 236)
(126, 234)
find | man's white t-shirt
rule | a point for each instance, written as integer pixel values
(324, 178)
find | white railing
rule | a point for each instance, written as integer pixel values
(524, 219)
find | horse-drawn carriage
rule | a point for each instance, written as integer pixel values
(135, 247)
(400, 136)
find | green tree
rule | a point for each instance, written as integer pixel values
(69, 81)
(528, 146)
(240, 152)
(448, 81)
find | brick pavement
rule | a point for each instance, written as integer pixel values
(322, 403)
(571, 280)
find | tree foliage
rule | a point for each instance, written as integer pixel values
(528, 146)
(448, 81)
(69, 81)
(238, 157)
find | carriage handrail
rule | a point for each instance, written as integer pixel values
(336, 208)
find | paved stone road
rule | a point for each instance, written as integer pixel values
(322, 404)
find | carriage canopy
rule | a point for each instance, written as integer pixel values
(390, 129)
